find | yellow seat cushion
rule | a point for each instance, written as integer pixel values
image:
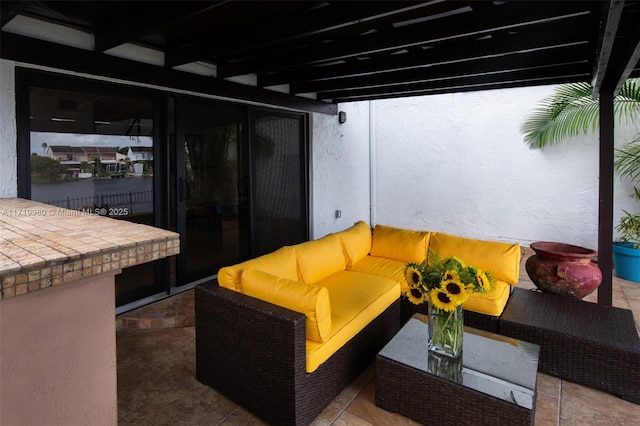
(382, 267)
(356, 300)
(501, 259)
(356, 242)
(319, 258)
(281, 263)
(491, 303)
(400, 244)
(309, 299)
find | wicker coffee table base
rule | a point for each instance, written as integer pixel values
(492, 382)
(431, 400)
(582, 342)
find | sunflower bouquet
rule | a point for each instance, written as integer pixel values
(446, 284)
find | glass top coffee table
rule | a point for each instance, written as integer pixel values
(492, 382)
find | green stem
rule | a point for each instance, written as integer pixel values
(446, 330)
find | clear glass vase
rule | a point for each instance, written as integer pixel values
(446, 331)
(445, 367)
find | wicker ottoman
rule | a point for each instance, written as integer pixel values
(582, 342)
(492, 382)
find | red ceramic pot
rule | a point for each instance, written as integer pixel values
(563, 269)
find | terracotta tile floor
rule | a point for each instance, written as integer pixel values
(157, 384)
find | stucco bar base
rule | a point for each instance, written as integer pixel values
(57, 310)
(58, 353)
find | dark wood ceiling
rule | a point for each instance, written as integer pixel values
(325, 52)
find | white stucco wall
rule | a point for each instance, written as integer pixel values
(458, 164)
(339, 169)
(8, 149)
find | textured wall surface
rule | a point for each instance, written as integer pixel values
(8, 153)
(458, 164)
(58, 350)
(339, 169)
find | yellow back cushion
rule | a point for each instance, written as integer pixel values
(356, 242)
(404, 245)
(281, 263)
(501, 259)
(319, 258)
(308, 299)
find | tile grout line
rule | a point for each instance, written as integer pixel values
(560, 390)
(179, 385)
(140, 359)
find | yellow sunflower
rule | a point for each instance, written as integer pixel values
(456, 290)
(483, 281)
(413, 275)
(416, 295)
(441, 300)
(451, 275)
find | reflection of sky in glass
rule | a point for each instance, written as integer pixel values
(73, 139)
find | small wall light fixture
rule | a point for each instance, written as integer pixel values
(342, 117)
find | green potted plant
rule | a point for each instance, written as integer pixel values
(626, 249)
(572, 110)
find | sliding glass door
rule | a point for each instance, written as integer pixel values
(241, 184)
(279, 182)
(212, 187)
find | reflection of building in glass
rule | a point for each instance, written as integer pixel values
(108, 159)
(139, 153)
(78, 154)
(141, 158)
(66, 154)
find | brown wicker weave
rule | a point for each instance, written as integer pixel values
(481, 321)
(254, 353)
(583, 342)
(415, 394)
(408, 309)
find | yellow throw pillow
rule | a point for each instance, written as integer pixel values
(356, 242)
(308, 299)
(319, 258)
(404, 245)
(281, 263)
(501, 259)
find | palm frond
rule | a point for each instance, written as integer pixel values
(631, 89)
(626, 104)
(572, 110)
(627, 159)
(565, 113)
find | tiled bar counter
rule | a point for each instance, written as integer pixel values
(57, 309)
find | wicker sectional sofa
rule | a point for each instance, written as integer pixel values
(284, 333)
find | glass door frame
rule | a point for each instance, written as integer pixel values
(182, 277)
